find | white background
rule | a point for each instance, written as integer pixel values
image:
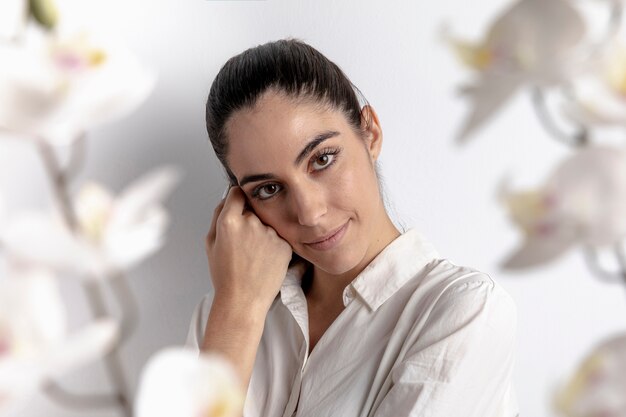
(391, 50)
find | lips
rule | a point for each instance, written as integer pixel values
(330, 240)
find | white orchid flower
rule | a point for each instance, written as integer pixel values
(178, 382)
(583, 202)
(597, 387)
(35, 343)
(57, 86)
(599, 95)
(533, 42)
(13, 15)
(112, 233)
(125, 229)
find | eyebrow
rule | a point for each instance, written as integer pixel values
(313, 144)
(319, 138)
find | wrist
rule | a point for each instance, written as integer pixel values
(237, 312)
(241, 307)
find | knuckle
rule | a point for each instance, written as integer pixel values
(228, 222)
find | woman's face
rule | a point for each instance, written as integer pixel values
(307, 174)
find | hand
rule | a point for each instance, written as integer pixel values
(247, 259)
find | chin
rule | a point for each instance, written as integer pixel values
(336, 263)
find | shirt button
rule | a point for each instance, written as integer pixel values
(349, 294)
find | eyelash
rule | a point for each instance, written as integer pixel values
(331, 151)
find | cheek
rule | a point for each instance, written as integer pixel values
(268, 214)
(354, 187)
(274, 215)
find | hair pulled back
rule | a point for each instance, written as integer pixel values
(288, 66)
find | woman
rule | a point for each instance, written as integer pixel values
(323, 305)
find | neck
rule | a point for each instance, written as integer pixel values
(327, 288)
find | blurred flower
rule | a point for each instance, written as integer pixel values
(178, 382)
(45, 12)
(41, 239)
(600, 94)
(113, 233)
(598, 386)
(55, 87)
(13, 15)
(583, 201)
(123, 230)
(532, 43)
(34, 340)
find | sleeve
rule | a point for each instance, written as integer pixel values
(461, 361)
(198, 322)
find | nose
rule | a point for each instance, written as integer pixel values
(309, 202)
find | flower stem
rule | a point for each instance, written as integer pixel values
(593, 262)
(113, 361)
(618, 249)
(77, 156)
(59, 184)
(59, 181)
(579, 137)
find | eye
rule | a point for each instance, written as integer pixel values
(266, 191)
(324, 159)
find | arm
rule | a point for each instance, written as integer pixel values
(248, 262)
(236, 333)
(461, 362)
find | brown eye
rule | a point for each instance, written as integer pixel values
(266, 191)
(323, 161)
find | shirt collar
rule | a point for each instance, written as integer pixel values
(397, 263)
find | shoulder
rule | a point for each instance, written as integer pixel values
(466, 320)
(446, 299)
(462, 295)
(447, 280)
(458, 355)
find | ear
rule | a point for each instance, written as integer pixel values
(373, 132)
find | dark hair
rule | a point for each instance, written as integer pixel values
(287, 66)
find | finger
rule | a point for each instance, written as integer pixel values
(216, 214)
(234, 202)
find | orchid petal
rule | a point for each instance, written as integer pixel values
(41, 239)
(150, 189)
(532, 43)
(12, 18)
(582, 202)
(33, 304)
(93, 206)
(89, 343)
(125, 247)
(541, 34)
(537, 251)
(176, 381)
(597, 386)
(56, 88)
(34, 341)
(591, 186)
(487, 98)
(599, 93)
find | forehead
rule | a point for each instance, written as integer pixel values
(275, 131)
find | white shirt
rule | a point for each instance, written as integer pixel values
(419, 336)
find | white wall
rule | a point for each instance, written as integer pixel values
(392, 53)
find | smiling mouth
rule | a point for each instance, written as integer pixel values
(330, 239)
